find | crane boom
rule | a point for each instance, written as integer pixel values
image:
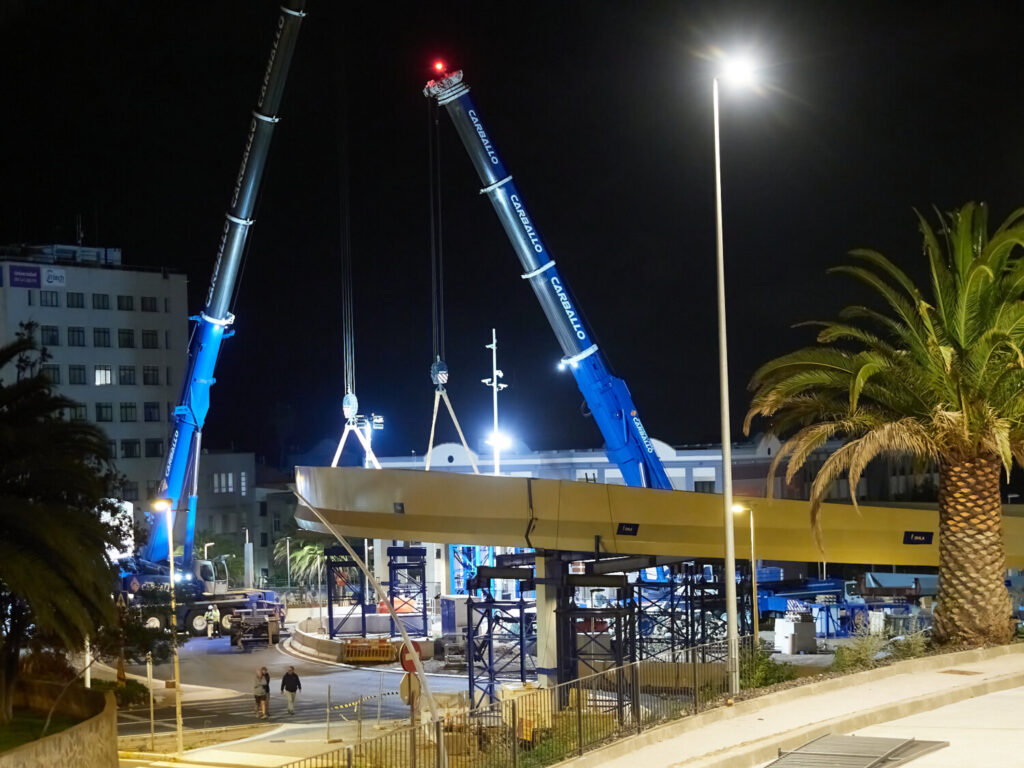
(178, 486)
(627, 442)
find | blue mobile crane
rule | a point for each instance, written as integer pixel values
(626, 440)
(205, 581)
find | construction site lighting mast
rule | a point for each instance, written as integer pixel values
(180, 478)
(627, 442)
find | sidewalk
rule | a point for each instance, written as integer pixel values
(751, 732)
(162, 694)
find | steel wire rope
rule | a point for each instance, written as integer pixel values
(436, 244)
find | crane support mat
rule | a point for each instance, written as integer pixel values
(450, 508)
(368, 651)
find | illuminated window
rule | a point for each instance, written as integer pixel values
(103, 376)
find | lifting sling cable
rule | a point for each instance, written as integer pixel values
(355, 423)
(438, 368)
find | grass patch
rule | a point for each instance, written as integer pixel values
(28, 725)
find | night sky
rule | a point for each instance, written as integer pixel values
(134, 115)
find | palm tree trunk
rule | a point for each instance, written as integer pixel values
(973, 604)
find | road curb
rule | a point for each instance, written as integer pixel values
(289, 649)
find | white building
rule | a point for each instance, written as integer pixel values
(117, 337)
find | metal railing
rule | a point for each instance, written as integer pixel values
(536, 727)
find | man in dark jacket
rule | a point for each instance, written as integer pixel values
(290, 685)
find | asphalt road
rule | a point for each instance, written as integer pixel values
(214, 663)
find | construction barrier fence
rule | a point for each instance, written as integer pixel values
(543, 726)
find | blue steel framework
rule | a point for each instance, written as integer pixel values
(339, 566)
(500, 635)
(178, 485)
(627, 442)
(407, 580)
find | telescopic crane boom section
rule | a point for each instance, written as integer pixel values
(178, 486)
(627, 442)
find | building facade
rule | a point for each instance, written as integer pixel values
(117, 340)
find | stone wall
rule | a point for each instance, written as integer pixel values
(90, 744)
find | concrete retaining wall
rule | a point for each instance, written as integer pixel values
(90, 744)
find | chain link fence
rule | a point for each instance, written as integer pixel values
(542, 726)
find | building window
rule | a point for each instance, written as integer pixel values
(130, 490)
(76, 300)
(30, 297)
(151, 374)
(150, 340)
(130, 449)
(168, 382)
(263, 509)
(277, 522)
(112, 448)
(76, 337)
(49, 299)
(167, 304)
(101, 337)
(76, 374)
(151, 411)
(49, 335)
(104, 376)
(129, 412)
(153, 488)
(100, 301)
(167, 339)
(105, 412)
(126, 303)
(242, 483)
(126, 374)
(170, 412)
(148, 303)
(223, 482)
(263, 539)
(79, 413)
(125, 337)
(704, 486)
(154, 448)
(51, 372)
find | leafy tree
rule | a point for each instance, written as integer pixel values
(55, 577)
(936, 375)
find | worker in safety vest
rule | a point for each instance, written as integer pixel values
(212, 621)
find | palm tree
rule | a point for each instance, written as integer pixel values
(307, 559)
(55, 577)
(937, 378)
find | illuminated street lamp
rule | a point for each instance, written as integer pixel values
(206, 547)
(740, 71)
(164, 505)
(739, 509)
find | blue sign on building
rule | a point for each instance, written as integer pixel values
(24, 277)
(917, 537)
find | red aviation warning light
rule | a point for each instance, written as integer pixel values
(439, 67)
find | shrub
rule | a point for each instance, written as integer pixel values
(912, 645)
(862, 650)
(758, 669)
(47, 664)
(132, 693)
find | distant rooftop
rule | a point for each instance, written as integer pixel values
(72, 255)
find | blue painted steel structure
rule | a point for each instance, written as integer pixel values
(627, 442)
(178, 485)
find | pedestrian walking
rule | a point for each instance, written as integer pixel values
(259, 691)
(290, 685)
(212, 621)
(265, 677)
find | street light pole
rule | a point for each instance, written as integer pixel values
(739, 508)
(732, 637)
(174, 628)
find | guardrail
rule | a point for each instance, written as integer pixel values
(542, 726)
